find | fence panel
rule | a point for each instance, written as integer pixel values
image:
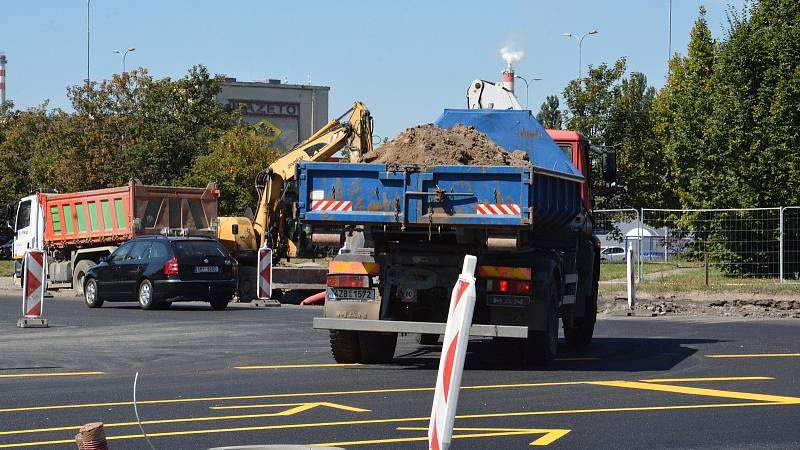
(711, 246)
(790, 244)
(618, 229)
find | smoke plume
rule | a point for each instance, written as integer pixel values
(511, 55)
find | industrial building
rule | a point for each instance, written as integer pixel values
(290, 112)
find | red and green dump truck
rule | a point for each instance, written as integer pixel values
(77, 229)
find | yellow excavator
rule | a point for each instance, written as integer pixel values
(274, 223)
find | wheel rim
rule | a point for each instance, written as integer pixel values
(91, 292)
(144, 294)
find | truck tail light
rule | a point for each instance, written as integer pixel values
(351, 281)
(509, 286)
(171, 267)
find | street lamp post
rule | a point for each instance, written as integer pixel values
(88, 2)
(580, 46)
(124, 56)
(526, 88)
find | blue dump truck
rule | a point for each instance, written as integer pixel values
(404, 231)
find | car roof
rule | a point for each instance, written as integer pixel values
(175, 238)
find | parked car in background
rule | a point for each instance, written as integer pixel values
(159, 270)
(612, 253)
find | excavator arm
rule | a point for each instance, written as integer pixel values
(355, 134)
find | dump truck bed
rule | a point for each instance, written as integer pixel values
(113, 215)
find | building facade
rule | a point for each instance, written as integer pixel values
(289, 112)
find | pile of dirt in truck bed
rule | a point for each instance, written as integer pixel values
(429, 145)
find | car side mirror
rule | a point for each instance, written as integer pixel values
(104, 259)
(609, 167)
(235, 229)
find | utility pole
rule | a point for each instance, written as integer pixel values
(669, 51)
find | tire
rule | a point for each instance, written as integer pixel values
(91, 294)
(580, 334)
(377, 348)
(145, 296)
(427, 339)
(219, 304)
(542, 346)
(344, 347)
(79, 273)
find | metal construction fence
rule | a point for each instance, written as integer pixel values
(709, 246)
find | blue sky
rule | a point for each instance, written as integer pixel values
(406, 59)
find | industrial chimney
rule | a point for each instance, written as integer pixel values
(2, 78)
(508, 79)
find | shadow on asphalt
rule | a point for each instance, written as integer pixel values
(604, 354)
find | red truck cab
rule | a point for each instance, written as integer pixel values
(576, 147)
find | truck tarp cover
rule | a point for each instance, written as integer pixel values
(514, 130)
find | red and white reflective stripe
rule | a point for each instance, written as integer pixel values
(451, 362)
(498, 209)
(264, 281)
(335, 136)
(331, 205)
(34, 283)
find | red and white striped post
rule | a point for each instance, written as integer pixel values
(34, 286)
(264, 278)
(451, 363)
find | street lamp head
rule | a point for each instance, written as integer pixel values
(117, 51)
(132, 49)
(593, 32)
(536, 79)
(567, 34)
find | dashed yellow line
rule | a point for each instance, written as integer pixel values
(296, 366)
(49, 374)
(757, 355)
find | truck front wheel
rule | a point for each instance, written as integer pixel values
(344, 347)
(79, 274)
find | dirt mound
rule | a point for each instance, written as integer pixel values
(429, 145)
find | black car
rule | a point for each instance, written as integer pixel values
(158, 270)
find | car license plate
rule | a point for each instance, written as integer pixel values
(206, 269)
(509, 300)
(350, 294)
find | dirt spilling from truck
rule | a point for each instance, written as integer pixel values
(428, 146)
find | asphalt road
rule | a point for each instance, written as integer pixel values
(263, 376)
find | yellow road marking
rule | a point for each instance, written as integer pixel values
(297, 408)
(756, 355)
(681, 380)
(396, 420)
(49, 374)
(305, 394)
(297, 366)
(550, 435)
(699, 391)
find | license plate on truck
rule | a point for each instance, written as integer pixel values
(352, 294)
(206, 269)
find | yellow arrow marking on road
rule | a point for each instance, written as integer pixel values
(550, 434)
(298, 407)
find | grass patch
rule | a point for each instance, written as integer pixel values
(6, 268)
(693, 279)
(617, 270)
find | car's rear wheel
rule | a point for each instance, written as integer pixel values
(145, 296)
(91, 294)
(219, 304)
(79, 275)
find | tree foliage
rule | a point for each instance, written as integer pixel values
(234, 160)
(550, 114)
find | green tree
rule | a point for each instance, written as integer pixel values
(234, 160)
(549, 114)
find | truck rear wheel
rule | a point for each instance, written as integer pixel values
(344, 347)
(580, 333)
(377, 348)
(542, 346)
(79, 275)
